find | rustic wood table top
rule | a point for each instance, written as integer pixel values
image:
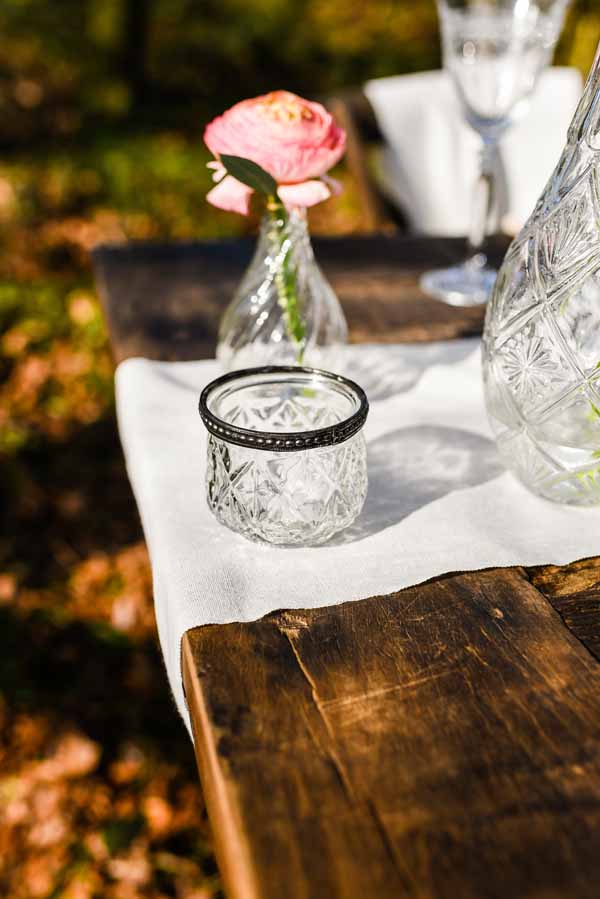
(442, 741)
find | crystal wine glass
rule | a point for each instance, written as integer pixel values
(494, 51)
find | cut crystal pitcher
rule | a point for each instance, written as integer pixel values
(541, 348)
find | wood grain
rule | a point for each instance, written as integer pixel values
(574, 591)
(165, 302)
(439, 743)
(443, 741)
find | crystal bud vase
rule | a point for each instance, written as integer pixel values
(284, 312)
(541, 348)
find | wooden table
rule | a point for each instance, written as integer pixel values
(443, 741)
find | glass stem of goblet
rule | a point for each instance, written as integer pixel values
(483, 200)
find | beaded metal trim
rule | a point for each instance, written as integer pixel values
(284, 442)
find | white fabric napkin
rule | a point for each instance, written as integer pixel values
(438, 498)
(431, 160)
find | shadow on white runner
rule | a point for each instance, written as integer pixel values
(439, 500)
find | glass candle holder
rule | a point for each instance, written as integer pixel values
(287, 459)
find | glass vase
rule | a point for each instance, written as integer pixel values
(541, 349)
(284, 312)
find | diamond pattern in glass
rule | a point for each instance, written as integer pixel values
(297, 497)
(542, 335)
(292, 498)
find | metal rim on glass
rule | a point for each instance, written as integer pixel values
(284, 441)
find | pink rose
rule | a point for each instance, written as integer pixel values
(296, 141)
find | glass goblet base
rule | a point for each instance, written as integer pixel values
(468, 284)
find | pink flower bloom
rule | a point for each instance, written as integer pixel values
(231, 195)
(295, 140)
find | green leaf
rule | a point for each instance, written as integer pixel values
(251, 174)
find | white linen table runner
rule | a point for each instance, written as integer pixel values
(431, 159)
(439, 499)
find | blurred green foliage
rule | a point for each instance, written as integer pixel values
(65, 67)
(71, 67)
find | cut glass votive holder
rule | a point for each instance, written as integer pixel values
(287, 460)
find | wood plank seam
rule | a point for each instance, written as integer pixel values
(573, 621)
(288, 632)
(329, 751)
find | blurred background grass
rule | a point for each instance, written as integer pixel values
(102, 107)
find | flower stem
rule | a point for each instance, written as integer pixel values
(286, 279)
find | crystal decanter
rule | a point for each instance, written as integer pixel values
(541, 348)
(284, 312)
